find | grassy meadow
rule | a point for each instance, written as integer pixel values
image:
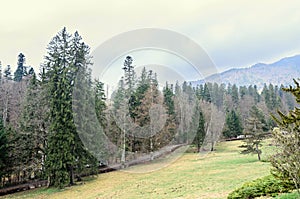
(211, 175)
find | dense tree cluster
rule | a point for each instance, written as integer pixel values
(51, 128)
(37, 126)
(236, 102)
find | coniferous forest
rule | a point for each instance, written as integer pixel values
(52, 129)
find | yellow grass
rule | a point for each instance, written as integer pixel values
(206, 176)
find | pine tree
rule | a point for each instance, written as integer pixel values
(235, 94)
(206, 93)
(60, 158)
(142, 86)
(31, 71)
(200, 134)
(287, 137)
(100, 105)
(254, 132)
(7, 73)
(233, 126)
(3, 152)
(266, 96)
(89, 120)
(129, 75)
(168, 100)
(120, 114)
(169, 104)
(256, 95)
(21, 70)
(65, 152)
(33, 128)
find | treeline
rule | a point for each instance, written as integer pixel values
(58, 124)
(236, 102)
(37, 131)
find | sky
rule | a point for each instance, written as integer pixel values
(233, 33)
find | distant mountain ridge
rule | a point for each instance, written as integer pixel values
(277, 73)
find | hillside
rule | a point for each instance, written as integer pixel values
(280, 72)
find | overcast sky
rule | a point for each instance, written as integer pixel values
(234, 33)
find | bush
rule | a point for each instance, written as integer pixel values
(266, 186)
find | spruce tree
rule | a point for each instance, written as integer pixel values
(33, 127)
(120, 113)
(89, 121)
(3, 151)
(206, 93)
(235, 95)
(168, 100)
(233, 126)
(20, 72)
(7, 73)
(254, 132)
(200, 134)
(100, 105)
(66, 54)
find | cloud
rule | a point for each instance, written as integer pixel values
(233, 32)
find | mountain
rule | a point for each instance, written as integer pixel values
(277, 73)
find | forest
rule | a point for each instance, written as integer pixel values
(57, 124)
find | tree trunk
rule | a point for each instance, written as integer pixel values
(71, 175)
(258, 153)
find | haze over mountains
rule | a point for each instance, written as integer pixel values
(277, 73)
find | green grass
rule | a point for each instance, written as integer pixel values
(294, 195)
(212, 175)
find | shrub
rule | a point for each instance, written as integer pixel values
(266, 186)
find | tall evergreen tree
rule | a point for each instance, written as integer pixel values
(200, 134)
(33, 129)
(129, 75)
(100, 105)
(21, 70)
(66, 54)
(233, 126)
(168, 100)
(206, 93)
(7, 73)
(254, 132)
(235, 94)
(3, 152)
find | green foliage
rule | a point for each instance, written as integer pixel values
(294, 195)
(100, 105)
(206, 93)
(254, 132)
(33, 135)
(200, 134)
(3, 150)
(233, 126)
(7, 73)
(271, 98)
(65, 152)
(287, 137)
(20, 72)
(168, 100)
(266, 186)
(235, 94)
